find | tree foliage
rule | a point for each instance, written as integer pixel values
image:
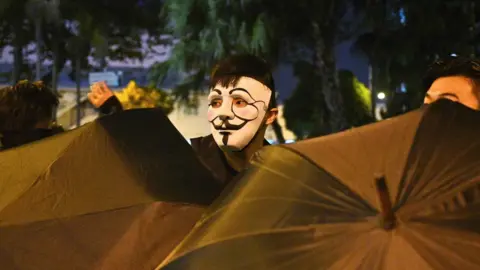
(304, 111)
(205, 32)
(405, 36)
(134, 97)
(103, 29)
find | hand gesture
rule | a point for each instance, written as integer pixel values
(99, 93)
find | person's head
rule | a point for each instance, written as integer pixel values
(26, 106)
(241, 101)
(457, 79)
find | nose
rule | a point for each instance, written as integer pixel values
(225, 117)
(225, 113)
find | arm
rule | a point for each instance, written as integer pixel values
(103, 98)
(111, 106)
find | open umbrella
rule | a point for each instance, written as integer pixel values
(118, 193)
(399, 194)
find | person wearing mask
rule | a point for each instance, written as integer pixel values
(26, 114)
(241, 106)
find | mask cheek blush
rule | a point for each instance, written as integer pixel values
(247, 113)
(211, 115)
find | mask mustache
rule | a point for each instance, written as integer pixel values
(225, 125)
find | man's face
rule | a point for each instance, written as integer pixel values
(456, 88)
(236, 113)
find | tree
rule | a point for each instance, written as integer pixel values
(407, 36)
(205, 34)
(79, 48)
(357, 98)
(317, 31)
(15, 31)
(209, 30)
(36, 11)
(118, 29)
(134, 96)
(304, 111)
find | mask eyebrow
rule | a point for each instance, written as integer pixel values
(241, 90)
(216, 91)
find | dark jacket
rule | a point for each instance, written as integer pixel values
(11, 139)
(111, 106)
(205, 147)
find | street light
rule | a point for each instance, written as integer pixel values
(381, 96)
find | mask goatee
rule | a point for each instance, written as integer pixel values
(225, 138)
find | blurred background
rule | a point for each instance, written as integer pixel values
(338, 63)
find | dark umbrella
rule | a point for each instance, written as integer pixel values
(118, 193)
(399, 194)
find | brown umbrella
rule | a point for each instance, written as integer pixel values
(399, 194)
(118, 193)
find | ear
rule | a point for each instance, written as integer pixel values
(271, 116)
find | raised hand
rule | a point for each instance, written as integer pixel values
(99, 93)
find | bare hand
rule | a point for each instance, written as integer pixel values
(99, 93)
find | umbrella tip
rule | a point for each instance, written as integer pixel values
(387, 216)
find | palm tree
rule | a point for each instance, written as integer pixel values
(52, 17)
(36, 11)
(15, 32)
(79, 48)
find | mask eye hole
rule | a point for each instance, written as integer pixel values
(216, 103)
(239, 103)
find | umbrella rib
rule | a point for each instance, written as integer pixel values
(39, 177)
(309, 249)
(403, 196)
(456, 157)
(357, 199)
(445, 183)
(450, 185)
(292, 229)
(348, 202)
(450, 193)
(428, 242)
(320, 205)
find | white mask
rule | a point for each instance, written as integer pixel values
(237, 113)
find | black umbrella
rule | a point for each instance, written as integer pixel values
(122, 190)
(399, 194)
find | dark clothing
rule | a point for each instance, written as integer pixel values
(205, 147)
(213, 158)
(10, 139)
(112, 105)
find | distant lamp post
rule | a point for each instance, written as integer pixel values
(381, 96)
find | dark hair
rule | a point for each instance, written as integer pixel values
(229, 71)
(453, 66)
(25, 104)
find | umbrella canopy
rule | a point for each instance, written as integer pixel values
(123, 189)
(399, 194)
